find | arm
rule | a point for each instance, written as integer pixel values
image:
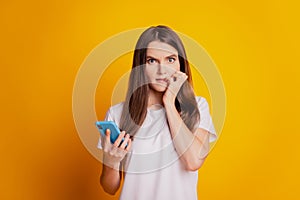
(191, 147)
(113, 154)
(110, 179)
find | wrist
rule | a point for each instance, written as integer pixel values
(111, 162)
(112, 165)
(170, 106)
(168, 102)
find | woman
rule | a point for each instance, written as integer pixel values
(166, 129)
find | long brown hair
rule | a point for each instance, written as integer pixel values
(136, 102)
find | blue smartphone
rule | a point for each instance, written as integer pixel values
(114, 130)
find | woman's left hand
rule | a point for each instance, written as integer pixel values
(175, 82)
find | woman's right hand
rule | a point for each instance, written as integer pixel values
(113, 154)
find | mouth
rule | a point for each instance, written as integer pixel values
(161, 80)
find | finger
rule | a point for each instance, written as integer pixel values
(107, 134)
(128, 145)
(170, 79)
(119, 139)
(179, 77)
(184, 76)
(124, 143)
(113, 151)
(106, 141)
(179, 74)
(175, 76)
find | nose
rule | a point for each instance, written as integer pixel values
(161, 69)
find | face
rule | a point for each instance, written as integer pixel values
(161, 62)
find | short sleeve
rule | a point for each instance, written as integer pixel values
(108, 117)
(205, 118)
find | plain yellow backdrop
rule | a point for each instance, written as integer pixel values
(255, 45)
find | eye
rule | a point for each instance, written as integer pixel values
(151, 61)
(171, 60)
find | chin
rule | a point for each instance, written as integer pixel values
(158, 87)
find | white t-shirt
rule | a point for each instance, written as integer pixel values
(152, 167)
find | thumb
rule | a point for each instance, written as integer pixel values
(107, 133)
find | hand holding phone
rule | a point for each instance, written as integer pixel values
(114, 130)
(112, 154)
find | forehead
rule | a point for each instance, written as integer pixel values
(160, 48)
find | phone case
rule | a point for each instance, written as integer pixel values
(114, 130)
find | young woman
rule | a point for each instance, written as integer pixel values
(166, 129)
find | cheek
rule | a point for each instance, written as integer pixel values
(176, 66)
(149, 72)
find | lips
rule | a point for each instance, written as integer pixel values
(161, 80)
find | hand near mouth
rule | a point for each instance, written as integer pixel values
(175, 81)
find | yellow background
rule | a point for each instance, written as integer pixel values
(255, 45)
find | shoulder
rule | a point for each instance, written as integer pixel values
(114, 113)
(201, 101)
(116, 109)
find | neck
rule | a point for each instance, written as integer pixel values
(155, 98)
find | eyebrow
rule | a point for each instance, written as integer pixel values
(172, 55)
